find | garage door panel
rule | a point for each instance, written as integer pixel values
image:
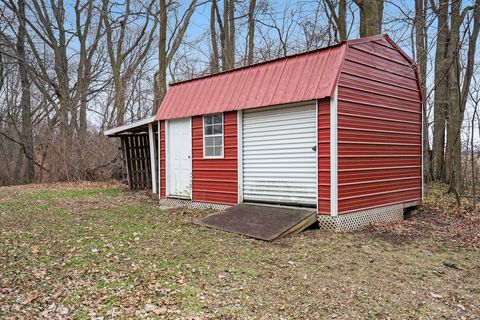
(288, 158)
(304, 178)
(266, 113)
(306, 128)
(266, 138)
(292, 166)
(273, 152)
(282, 199)
(279, 164)
(265, 123)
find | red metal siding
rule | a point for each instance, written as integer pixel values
(379, 128)
(324, 156)
(307, 76)
(215, 180)
(163, 189)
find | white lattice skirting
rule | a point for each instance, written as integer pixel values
(359, 219)
(180, 203)
(343, 222)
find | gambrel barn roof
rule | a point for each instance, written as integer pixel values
(301, 77)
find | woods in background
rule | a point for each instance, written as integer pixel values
(70, 69)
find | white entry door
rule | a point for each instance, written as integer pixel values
(179, 158)
(280, 155)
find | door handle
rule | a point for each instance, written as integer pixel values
(314, 148)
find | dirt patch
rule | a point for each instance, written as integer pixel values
(439, 219)
(460, 228)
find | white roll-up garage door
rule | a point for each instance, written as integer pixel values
(279, 155)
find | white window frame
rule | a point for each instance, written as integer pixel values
(214, 135)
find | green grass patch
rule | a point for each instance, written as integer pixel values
(8, 204)
(72, 194)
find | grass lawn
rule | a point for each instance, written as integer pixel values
(96, 250)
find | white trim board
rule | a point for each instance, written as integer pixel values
(316, 148)
(153, 171)
(129, 126)
(334, 154)
(240, 155)
(159, 162)
(422, 162)
(167, 148)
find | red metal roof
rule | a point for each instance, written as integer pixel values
(306, 76)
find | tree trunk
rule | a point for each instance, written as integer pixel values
(472, 158)
(371, 17)
(339, 18)
(62, 73)
(165, 56)
(161, 76)
(227, 34)
(213, 38)
(119, 96)
(453, 99)
(84, 69)
(457, 97)
(27, 132)
(421, 57)
(342, 20)
(231, 31)
(2, 72)
(251, 31)
(84, 98)
(440, 94)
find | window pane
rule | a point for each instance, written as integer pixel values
(209, 151)
(213, 131)
(208, 129)
(209, 141)
(217, 118)
(218, 129)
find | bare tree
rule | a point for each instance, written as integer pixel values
(420, 51)
(474, 95)
(338, 11)
(214, 67)
(123, 42)
(27, 133)
(283, 27)
(458, 94)
(440, 95)
(86, 55)
(251, 31)
(371, 16)
(168, 46)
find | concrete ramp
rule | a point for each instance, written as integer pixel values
(261, 221)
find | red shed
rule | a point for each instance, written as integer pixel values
(338, 129)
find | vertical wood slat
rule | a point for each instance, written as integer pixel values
(133, 161)
(136, 150)
(146, 162)
(139, 162)
(126, 143)
(148, 167)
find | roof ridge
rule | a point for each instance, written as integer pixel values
(351, 41)
(258, 63)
